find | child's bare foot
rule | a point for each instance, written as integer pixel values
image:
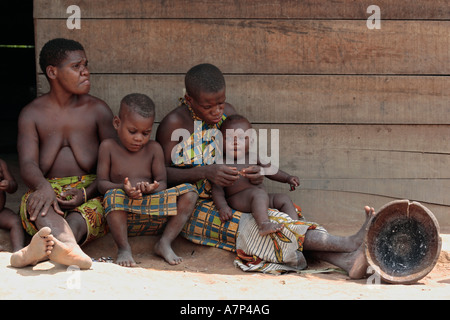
(165, 251)
(125, 258)
(69, 255)
(39, 249)
(268, 227)
(359, 265)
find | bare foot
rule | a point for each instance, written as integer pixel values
(359, 265)
(70, 255)
(125, 258)
(267, 227)
(39, 249)
(357, 239)
(165, 251)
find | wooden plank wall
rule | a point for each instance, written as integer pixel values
(363, 114)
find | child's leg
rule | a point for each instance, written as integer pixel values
(117, 222)
(283, 203)
(11, 221)
(185, 206)
(256, 201)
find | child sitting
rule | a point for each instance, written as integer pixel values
(243, 195)
(130, 171)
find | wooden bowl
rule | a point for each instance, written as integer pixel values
(403, 242)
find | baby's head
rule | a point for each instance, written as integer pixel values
(237, 136)
(135, 121)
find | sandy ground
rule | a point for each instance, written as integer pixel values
(205, 274)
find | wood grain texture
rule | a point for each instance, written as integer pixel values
(338, 207)
(363, 115)
(259, 46)
(256, 9)
(298, 99)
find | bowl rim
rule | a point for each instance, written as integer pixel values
(409, 278)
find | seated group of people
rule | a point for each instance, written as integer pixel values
(90, 172)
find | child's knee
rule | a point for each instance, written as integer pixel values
(10, 220)
(188, 199)
(280, 199)
(259, 194)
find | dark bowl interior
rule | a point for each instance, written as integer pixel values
(402, 242)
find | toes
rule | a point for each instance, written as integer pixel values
(44, 232)
(370, 211)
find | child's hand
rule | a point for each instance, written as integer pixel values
(147, 187)
(293, 181)
(225, 214)
(132, 192)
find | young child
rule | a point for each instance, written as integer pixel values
(243, 195)
(8, 219)
(132, 174)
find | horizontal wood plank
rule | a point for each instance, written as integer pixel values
(298, 99)
(430, 190)
(338, 208)
(256, 9)
(259, 46)
(373, 160)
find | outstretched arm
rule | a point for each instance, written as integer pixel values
(285, 177)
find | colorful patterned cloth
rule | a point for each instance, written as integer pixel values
(92, 211)
(199, 150)
(147, 215)
(145, 225)
(204, 227)
(275, 253)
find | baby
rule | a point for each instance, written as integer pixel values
(243, 195)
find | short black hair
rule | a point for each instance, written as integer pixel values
(203, 77)
(55, 51)
(139, 103)
(232, 119)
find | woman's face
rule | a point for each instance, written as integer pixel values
(73, 73)
(208, 106)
